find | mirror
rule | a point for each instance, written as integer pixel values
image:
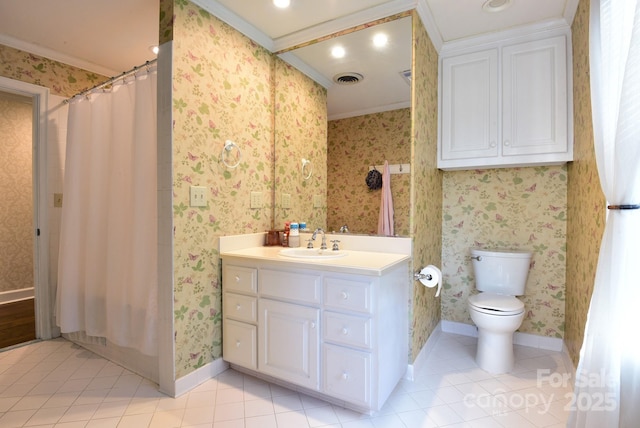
(368, 121)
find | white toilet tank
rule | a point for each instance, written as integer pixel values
(501, 271)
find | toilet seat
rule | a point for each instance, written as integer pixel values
(496, 304)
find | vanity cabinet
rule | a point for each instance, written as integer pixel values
(506, 105)
(339, 336)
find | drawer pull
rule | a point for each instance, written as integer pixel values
(238, 307)
(237, 278)
(345, 375)
(344, 295)
(237, 343)
(345, 330)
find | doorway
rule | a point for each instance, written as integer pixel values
(24, 281)
(17, 310)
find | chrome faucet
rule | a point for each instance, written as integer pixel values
(344, 229)
(323, 246)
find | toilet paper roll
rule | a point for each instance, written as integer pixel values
(435, 276)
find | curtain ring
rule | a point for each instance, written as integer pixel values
(224, 155)
(307, 169)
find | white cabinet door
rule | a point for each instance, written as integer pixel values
(288, 344)
(470, 106)
(534, 109)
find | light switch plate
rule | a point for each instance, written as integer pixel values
(317, 201)
(198, 196)
(286, 201)
(256, 200)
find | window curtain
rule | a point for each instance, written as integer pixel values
(107, 270)
(607, 384)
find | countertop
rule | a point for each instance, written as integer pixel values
(355, 262)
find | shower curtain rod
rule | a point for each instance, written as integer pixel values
(112, 80)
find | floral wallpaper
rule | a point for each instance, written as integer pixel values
(300, 133)
(587, 205)
(519, 208)
(426, 185)
(353, 145)
(16, 211)
(61, 79)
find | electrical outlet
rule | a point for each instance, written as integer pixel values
(256, 200)
(57, 200)
(317, 201)
(286, 201)
(198, 196)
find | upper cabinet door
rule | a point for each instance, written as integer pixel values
(534, 108)
(470, 106)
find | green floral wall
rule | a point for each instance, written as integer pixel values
(520, 208)
(224, 88)
(301, 133)
(426, 185)
(587, 205)
(353, 145)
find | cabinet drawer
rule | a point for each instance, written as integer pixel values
(239, 307)
(298, 287)
(346, 329)
(239, 278)
(349, 295)
(239, 345)
(347, 374)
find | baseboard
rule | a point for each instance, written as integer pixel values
(524, 339)
(568, 363)
(423, 355)
(16, 295)
(201, 375)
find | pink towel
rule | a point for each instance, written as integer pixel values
(385, 221)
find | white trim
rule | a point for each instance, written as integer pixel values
(421, 360)
(346, 22)
(16, 295)
(295, 61)
(429, 22)
(42, 291)
(237, 22)
(372, 110)
(566, 358)
(524, 339)
(199, 376)
(570, 11)
(55, 55)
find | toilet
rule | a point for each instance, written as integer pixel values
(500, 276)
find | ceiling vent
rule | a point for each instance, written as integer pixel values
(348, 78)
(406, 75)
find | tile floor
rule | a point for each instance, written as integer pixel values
(57, 384)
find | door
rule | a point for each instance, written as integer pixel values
(288, 342)
(25, 240)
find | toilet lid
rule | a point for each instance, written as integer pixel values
(497, 303)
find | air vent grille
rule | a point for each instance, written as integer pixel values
(348, 78)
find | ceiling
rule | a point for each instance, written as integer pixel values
(109, 37)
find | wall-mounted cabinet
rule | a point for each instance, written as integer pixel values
(506, 104)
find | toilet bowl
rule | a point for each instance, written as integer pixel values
(500, 276)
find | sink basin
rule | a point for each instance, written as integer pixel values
(312, 253)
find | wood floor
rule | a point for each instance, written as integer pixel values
(17, 323)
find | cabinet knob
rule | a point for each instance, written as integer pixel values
(237, 278)
(313, 325)
(345, 375)
(237, 343)
(345, 330)
(344, 295)
(238, 307)
(507, 142)
(492, 144)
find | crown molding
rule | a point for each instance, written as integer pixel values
(429, 22)
(55, 55)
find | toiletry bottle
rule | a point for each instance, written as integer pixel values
(294, 235)
(285, 235)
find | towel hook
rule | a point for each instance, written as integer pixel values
(224, 155)
(306, 164)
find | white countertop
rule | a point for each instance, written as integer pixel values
(355, 262)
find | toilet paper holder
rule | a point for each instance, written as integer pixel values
(419, 275)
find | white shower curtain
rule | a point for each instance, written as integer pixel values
(607, 387)
(107, 276)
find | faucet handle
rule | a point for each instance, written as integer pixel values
(310, 243)
(335, 245)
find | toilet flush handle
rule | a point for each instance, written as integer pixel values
(478, 258)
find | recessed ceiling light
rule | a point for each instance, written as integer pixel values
(338, 52)
(281, 3)
(154, 49)
(496, 5)
(380, 40)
